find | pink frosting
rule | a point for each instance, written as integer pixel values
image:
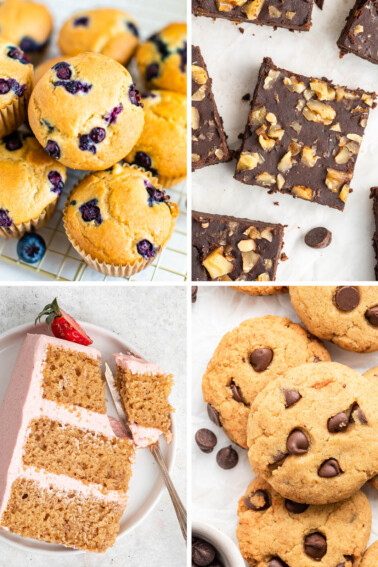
(136, 364)
(144, 436)
(23, 402)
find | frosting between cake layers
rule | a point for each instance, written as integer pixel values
(144, 436)
(23, 402)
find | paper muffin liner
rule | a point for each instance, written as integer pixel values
(168, 182)
(14, 114)
(17, 230)
(116, 270)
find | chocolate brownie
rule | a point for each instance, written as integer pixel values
(209, 143)
(232, 249)
(290, 14)
(374, 196)
(319, 3)
(303, 136)
(360, 34)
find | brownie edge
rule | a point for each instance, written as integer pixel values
(374, 196)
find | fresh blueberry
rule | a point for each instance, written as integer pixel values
(161, 45)
(142, 159)
(5, 219)
(56, 181)
(73, 202)
(152, 71)
(132, 27)
(86, 145)
(53, 149)
(15, 53)
(18, 89)
(111, 118)
(134, 96)
(31, 248)
(97, 135)
(155, 195)
(146, 249)
(63, 70)
(183, 54)
(29, 45)
(5, 86)
(91, 212)
(13, 141)
(82, 21)
(73, 87)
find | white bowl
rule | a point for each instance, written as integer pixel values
(227, 550)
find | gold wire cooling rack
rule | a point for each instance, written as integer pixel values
(62, 263)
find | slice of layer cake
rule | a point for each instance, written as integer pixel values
(144, 389)
(64, 474)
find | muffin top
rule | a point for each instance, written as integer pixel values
(16, 74)
(86, 112)
(29, 179)
(26, 23)
(162, 146)
(108, 31)
(42, 68)
(162, 59)
(119, 216)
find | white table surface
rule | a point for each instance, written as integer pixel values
(153, 319)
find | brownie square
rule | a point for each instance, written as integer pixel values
(360, 34)
(290, 14)
(209, 143)
(232, 249)
(303, 136)
(374, 196)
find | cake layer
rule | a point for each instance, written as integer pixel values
(144, 390)
(80, 454)
(73, 378)
(65, 517)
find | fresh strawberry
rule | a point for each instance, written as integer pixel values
(62, 325)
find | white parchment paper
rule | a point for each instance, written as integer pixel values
(233, 61)
(215, 492)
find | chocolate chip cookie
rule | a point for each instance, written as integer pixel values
(373, 374)
(247, 359)
(276, 532)
(260, 289)
(313, 433)
(345, 315)
(370, 558)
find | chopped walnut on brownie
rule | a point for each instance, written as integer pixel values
(303, 136)
(360, 34)
(291, 14)
(209, 145)
(232, 249)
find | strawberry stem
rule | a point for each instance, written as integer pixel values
(52, 310)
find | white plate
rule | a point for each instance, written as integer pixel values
(146, 483)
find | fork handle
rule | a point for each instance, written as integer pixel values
(176, 501)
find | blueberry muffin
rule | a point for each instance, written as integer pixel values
(27, 24)
(162, 59)
(162, 146)
(86, 112)
(42, 68)
(16, 75)
(119, 220)
(111, 32)
(30, 184)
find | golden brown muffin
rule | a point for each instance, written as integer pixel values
(45, 66)
(162, 146)
(119, 220)
(86, 112)
(105, 30)
(162, 59)
(30, 184)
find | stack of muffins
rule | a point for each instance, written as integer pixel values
(310, 426)
(85, 113)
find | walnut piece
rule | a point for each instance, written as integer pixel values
(335, 179)
(199, 75)
(358, 29)
(199, 94)
(285, 164)
(316, 111)
(309, 158)
(250, 260)
(249, 160)
(302, 191)
(322, 90)
(293, 85)
(252, 9)
(257, 116)
(195, 118)
(270, 79)
(266, 178)
(195, 158)
(247, 245)
(228, 5)
(266, 143)
(217, 265)
(274, 12)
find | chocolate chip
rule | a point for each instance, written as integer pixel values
(194, 293)
(261, 358)
(329, 469)
(315, 546)
(258, 501)
(213, 415)
(227, 458)
(358, 414)
(318, 237)
(291, 397)
(295, 507)
(203, 553)
(297, 443)
(347, 298)
(236, 393)
(277, 562)
(279, 457)
(372, 316)
(316, 359)
(206, 440)
(338, 422)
